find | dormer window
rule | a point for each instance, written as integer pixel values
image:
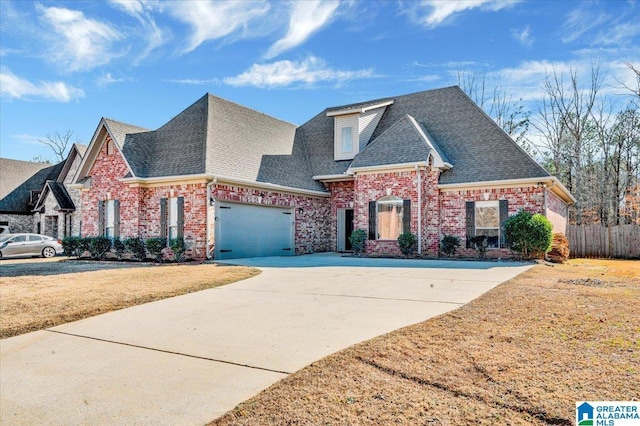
(353, 128)
(346, 145)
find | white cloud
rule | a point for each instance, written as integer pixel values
(523, 36)
(431, 13)
(306, 18)
(142, 10)
(582, 21)
(618, 34)
(107, 79)
(80, 43)
(194, 81)
(211, 20)
(14, 87)
(284, 73)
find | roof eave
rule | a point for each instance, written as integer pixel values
(346, 111)
(384, 167)
(553, 184)
(333, 178)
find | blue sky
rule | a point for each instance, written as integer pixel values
(66, 64)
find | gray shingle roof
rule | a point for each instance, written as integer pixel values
(60, 194)
(400, 143)
(20, 200)
(14, 172)
(222, 138)
(476, 146)
(213, 136)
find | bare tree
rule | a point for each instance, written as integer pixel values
(59, 143)
(511, 116)
(573, 105)
(636, 72)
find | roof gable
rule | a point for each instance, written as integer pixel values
(60, 194)
(21, 200)
(106, 127)
(16, 172)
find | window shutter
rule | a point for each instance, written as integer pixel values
(373, 211)
(504, 214)
(163, 218)
(116, 218)
(471, 221)
(100, 218)
(180, 217)
(406, 215)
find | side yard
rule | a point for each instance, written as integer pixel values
(523, 353)
(40, 294)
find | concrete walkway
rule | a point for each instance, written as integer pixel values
(189, 359)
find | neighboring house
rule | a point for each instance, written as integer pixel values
(42, 203)
(14, 173)
(235, 182)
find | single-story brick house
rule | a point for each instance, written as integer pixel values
(235, 182)
(42, 201)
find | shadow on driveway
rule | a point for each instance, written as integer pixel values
(337, 259)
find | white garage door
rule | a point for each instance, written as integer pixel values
(246, 230)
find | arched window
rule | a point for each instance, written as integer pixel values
(389, 217)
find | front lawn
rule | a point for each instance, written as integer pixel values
(45, 294)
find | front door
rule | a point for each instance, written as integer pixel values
(345, 228)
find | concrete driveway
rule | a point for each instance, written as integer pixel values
(189, 359)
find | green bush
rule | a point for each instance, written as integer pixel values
(70, 246)
(357, 239)
(178, 248)
(118, 247)
(407, 242)
(449, 244)
(155, 247)
(528, 235)
(83, 245)
(136, 247)
(479, 243)
(99, 247)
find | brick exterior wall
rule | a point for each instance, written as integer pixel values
(312, 227)
(373, 186)
(557, 212)
(106, 173)
(443, 212)
(453, 216)
(341, 198)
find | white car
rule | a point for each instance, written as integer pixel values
(14, 245)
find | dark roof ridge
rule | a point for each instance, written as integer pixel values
(387, 98)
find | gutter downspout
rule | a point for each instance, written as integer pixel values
(419, 211)
(209, 206)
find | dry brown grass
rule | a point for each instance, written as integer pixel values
(34, 302)
(522, 354)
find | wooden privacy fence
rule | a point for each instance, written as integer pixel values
(621, 241)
